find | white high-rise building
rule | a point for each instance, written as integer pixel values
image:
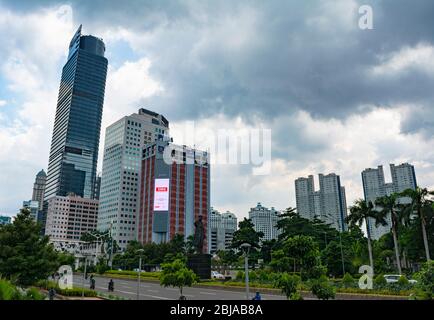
(221, 230)
(328, 203)
(120, 180)
(265, 220)
(374, 187)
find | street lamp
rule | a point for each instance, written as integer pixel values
(246, 248)
(140, 251)
(84, 274)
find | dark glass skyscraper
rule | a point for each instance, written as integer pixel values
(77, 125)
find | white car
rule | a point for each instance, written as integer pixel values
(393, 278)
(216, 275)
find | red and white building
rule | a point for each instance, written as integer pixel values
(174, 192)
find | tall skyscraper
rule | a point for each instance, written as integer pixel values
(374, 187)
(265, 220)
(221, 230)
(39, 188)
(77, 125)
(175, 192)
(74, 146)
(328, 203)
(120, 181)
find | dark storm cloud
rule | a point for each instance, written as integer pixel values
(293, 55)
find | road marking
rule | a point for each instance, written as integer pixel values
(126, 292)
(210, 293)
(155, 297)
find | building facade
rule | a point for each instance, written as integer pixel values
(265, 220)
(175, 192)
(328, 203)
(33, 206)
(221, 230)
(75, 141)
(120, 181)
(71, 216)
(374, 187)
(39, 188)
(5, 220)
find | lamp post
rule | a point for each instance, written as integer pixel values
(140, 251)
(84, 275)
(246, 248)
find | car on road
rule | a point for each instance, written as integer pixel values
(217, 275)
(393, 278)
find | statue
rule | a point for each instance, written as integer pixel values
(199, 235)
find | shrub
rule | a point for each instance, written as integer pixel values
(253, 276)
(289, 285)
(322, 289)
(8, 291)
(239, 276)
(402, 281)
(380, 281)
(425, 285)
(33, 294)
(348, 281)
(133, 273)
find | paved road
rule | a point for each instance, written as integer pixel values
(153, 291)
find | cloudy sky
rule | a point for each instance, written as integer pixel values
(336, 98)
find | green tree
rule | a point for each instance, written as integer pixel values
(291, 224)
(389, 206)
(176, 274)
(289, 284)
(425, 285)
(266, 249)
(360, 212)
(25, 256)
(300, 253)
(421, 206)
(246, 234)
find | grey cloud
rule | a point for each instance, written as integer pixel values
(287, 62)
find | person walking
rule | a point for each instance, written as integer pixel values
(257, 296)
(111, 285)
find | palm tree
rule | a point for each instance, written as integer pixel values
(360, 212)
(421, 206)
(389, 205)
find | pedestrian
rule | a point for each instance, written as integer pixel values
(257, 296)
(111, 285)
(51, 294)
(92, 283)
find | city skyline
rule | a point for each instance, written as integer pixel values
(137, 78)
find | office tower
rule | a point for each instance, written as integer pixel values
(33, 206)
(403, 177)
(374, 187)
(175, 192)
(328, 203)
(221, 230)
(124, 142)
(265, 220)
(71, 216)
(74, 146)
(5, 220)
(97, 188)
(39, 188)
(304, 196)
